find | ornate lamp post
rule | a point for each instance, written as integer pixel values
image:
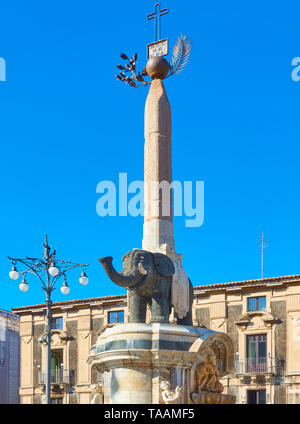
(49, 270)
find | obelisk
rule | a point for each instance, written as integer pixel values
(158, 232)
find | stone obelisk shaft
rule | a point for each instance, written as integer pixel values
(158, 220)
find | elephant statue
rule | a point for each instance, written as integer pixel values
(148, 278)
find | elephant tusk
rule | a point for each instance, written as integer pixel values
(142, 270)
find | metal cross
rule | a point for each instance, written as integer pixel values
(157, 14)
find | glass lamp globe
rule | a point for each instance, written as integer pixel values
(24, 286)
(83, 279)
(53, 270)
(14, 275)
(65, 289)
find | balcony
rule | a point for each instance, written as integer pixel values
(259, 366)
(57, 377)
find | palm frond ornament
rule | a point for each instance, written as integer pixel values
(180, 57)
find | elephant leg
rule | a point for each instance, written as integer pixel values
(160, 307)
(187, 320)
(138, 308)
(160, 310)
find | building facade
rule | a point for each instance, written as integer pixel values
(9, 358)
(261, 316)
(263, 319)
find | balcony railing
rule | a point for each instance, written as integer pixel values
(57, 376)
(259, 365)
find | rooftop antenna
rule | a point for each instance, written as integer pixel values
(262, 244)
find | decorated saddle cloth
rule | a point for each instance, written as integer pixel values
(180, 291)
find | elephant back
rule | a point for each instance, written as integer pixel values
(164, 265)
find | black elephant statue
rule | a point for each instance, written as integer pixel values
(148, 278)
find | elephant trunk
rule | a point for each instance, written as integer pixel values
(126, 281)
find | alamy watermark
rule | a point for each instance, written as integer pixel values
(2, 69)
(188, 199)
(296, 70)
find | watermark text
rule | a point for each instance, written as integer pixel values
(152, 200)
(2, 69)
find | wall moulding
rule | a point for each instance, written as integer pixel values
(293, 303)
(218, 310)
(268, 319)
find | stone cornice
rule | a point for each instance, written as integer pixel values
(146, 358)
(102, 301)
(239, 285)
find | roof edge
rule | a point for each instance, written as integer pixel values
(259, 281)
(71, 302)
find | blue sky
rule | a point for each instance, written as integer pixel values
(66, 124)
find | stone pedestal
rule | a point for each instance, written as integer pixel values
(136, 358)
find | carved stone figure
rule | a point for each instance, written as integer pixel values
(97, 393)
(148, 278)
(170, 396)
(205, 384)
(207, 376)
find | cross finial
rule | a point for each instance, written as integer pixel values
(157, 15)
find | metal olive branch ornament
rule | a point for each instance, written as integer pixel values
(131, 67)
(157, 66)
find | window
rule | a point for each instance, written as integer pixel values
(256, 303)
(56, 359)
(56, 366)
(2, 352)
(256, 397)
(115, 317)
(56, 401)
(57, 323)
(257, 353)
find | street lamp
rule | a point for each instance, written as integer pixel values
(49, 270)
(83, 279)
(65, 289)
(53, 270)
(24, 285)
(14, 275)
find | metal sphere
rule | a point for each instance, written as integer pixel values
(157, 67)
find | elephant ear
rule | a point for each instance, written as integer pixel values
(164, 265)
